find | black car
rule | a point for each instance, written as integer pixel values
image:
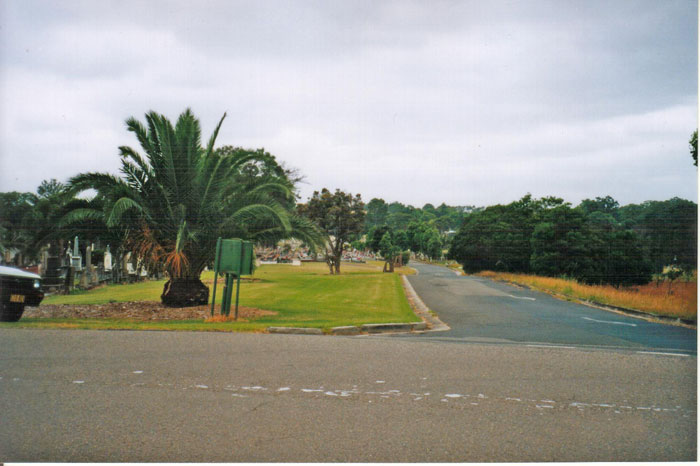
(18, 288)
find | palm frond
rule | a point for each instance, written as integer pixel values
(80, 215)
(212, 139)
(135, 126)
(119, 208)
(93, 180)
(271, 214)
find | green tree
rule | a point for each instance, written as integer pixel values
(29, 221)
(377, 211)
(694, 147)
(606, 205)
(499, 237)
(669, 230)
(375, 235)
(181, 197)
(15, 228)
(340, 216)
(389, 251)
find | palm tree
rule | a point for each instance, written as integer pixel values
(176, 201)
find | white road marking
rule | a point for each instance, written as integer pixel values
(665, 354)
(551, 346)
(75, 381)
(613, 322)
(521, 297)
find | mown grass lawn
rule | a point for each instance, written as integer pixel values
(302, 296)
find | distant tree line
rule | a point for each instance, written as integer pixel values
(170, 205)
(595, 242)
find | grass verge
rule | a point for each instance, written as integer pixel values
(302, 296)
(679, 300)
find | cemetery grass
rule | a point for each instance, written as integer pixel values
(301, 296)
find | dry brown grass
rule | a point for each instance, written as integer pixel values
(220, 318)
(677, 299)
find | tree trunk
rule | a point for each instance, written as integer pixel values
(184, 292)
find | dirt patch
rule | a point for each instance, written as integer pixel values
(142, 310)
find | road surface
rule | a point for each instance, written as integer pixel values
(481, 310)
(103, 396)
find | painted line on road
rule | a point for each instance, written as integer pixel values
(551, 346)
(613, 322)
(521, 297)
(665, 354)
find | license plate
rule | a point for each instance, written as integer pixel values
(16, 298)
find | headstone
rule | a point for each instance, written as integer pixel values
(85, 276)
(108, 260)
(76, 260)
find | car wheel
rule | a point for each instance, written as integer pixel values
(11, 312)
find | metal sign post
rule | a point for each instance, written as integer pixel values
(234, 257)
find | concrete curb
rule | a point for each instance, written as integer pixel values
(433, 323)
(295, 330)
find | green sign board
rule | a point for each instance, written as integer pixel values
(234, 256)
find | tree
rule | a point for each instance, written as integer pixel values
(377, 211)
(181, 197)
(374, 237)
(560, 245)
(389, 251)
(606, 204)
(499, 237)
(28, 221)
(340, 216)
(694, 147)
(669, 229)
(15, 230)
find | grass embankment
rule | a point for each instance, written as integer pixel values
(302, 296)
(651, 298)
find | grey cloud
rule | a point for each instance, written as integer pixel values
(459, 101)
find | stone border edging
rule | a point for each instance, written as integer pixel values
(430, 323)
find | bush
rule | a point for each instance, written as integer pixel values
(405, 257)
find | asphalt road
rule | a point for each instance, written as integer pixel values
(481, 310)
(103, 396)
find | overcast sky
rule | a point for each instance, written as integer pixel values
(459, 102)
